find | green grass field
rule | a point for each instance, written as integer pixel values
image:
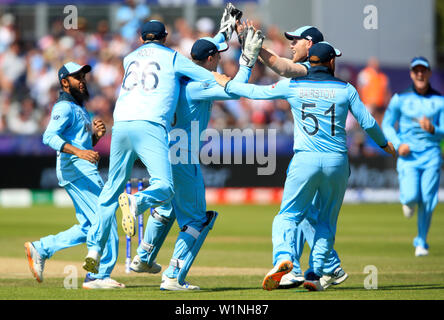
(236, 256)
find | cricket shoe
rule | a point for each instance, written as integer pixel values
(106, 283)
(408, 211)
(92, 261)
(273, 278)
(35, 261)
(312, 282)
(169, 284)
(128, 205)
(338, 276)
(137, 265)
(421, 251)
(291, 280)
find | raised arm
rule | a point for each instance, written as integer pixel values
(279, 90)
(184, 67)
(210, 90)
(282, 66)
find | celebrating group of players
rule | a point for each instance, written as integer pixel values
(161, 90)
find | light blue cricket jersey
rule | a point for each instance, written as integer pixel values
(194, 108)
(406, 109)
(319, 104)
(150, 87)
(69, 123)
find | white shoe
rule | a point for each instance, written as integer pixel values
(313, 282)
(421, 251)
(128, 205)
(92, 262)
(274, 276)
(291, 280)
(106, 283)
(138, 265)
(172, 285)
(338, 276)
(408, 211)
(35, 261)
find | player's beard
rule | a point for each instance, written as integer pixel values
(78, 95)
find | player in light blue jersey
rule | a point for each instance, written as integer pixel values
(144, 109)
(302, 39)
(414, 121)
(72, 134)
(189, 206)
(320, 103)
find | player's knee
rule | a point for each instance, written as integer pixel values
(166, 191)
(106, 217)
(411, 199)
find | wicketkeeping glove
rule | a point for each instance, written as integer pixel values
(251, 47)
(228, 21)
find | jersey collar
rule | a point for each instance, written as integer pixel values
(65, 96)
(429, 91)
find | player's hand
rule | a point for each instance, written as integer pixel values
(89, 155)
(98, 128)
(252, 47)
(242, 29)
(390, 149)
(221, 78)
(427, 125)
(228, 21)
(403, 150)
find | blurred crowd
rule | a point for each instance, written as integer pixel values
(29, 85)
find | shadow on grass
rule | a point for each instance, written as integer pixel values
(139, 286)
(397, 287)
(231, 289)
(413, 287)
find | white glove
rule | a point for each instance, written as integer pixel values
(251, 47)
(228, 21)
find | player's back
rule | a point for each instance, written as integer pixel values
(149, 88)
(320, 104)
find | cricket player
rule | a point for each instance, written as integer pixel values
(189, 206)
(71, 133)
(320, 103)
(414, 121)
(144, 109)
(302, 39)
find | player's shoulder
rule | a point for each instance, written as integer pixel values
(405, 92)
(305, 64)
(433, 92)
(283, 83)
(65, 102)
(148, 50)
(318, 75)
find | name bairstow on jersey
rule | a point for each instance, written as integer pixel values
(316, 93)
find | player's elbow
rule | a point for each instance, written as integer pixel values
(46, 139)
